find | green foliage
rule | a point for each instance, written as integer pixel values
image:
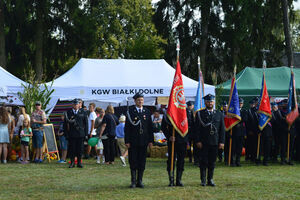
(238, 31)
(34, 91)
(125, 30)
(295, 31)
(76, 29)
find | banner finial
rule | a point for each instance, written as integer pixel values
(234, 70)
(264, 64)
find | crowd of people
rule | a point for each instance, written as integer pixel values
(133, 132)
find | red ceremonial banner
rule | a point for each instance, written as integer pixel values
(177, 108)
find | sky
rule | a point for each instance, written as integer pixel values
(297, 5)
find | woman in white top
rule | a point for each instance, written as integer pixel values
(21, 118)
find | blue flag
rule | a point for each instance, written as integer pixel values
(264, 108)
(199, 102)
(233, 115)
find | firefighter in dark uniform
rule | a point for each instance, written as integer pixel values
(238, 134)
(76, 126)
(226, 145)
(180, 144)
(138, 135)
(283, 137)
(252, 130)
(275, 121)
(210, 132)
(190, 117)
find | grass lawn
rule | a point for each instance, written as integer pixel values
(57, 181)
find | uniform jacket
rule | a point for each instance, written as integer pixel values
(240, 129)
(190, 117)
(276, 121)
(211, 135)
(252, 122)
(76, 125)
(132, 133)
(167, 129)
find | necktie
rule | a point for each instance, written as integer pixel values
(140, 111)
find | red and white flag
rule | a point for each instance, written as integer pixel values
(177, 108)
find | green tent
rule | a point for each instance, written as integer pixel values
(249, 82)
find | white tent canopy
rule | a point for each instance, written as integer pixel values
(117, 80)
(10, 85)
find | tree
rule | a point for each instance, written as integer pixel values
(2, 37)
(286, 24)
(125, 30)
(295, 31)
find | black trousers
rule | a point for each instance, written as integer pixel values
(75, 148)
(109, 149)
(196, 153)
(237, 146)
(275, 145)
(297, 147)
(266, 146)
(137, 157)
(252, 146)
(208, 155)
(226, 147)
(179, 153)
(283, 138)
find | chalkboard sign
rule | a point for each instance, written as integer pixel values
(50, 139)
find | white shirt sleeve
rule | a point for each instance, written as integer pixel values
(92, 116)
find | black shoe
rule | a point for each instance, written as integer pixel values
(140, 184)
(290, 163)
(133, 178)
(211, 183)
(238, 161)
(72, 165)
(283, 162)
(210, 175)
(203, 176)
(178, 178)
(171, 179)
(257, 161)
(79, 165)
(140, 179)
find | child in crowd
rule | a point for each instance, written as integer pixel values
(62, 141)
(100, 114)
(25, 135)
(120, 139)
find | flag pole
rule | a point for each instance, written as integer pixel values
(173, 130)
(259, 134)
(289, 133)
(288, 143)
(230, 136)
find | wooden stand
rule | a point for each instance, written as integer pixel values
(49, 138)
